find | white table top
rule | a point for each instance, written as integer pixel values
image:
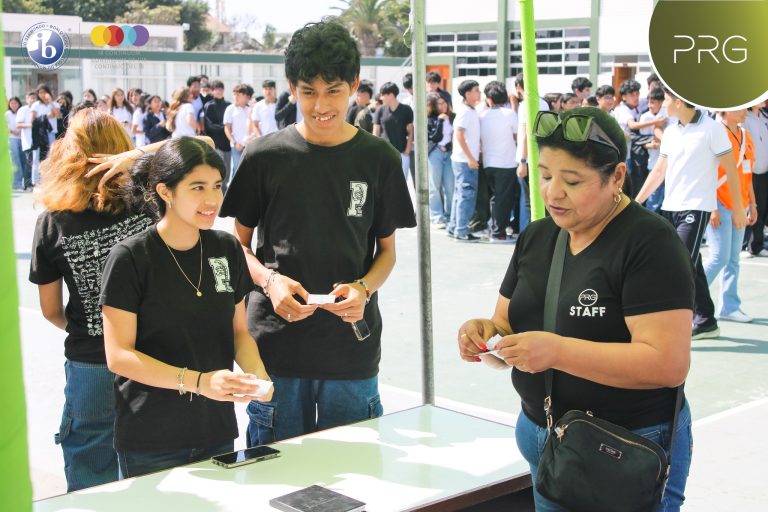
(397, 462)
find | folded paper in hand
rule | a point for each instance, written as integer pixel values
(316, 499)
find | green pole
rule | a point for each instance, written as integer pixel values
(531, 77)
(15, 485)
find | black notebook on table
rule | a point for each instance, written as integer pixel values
(316, 499)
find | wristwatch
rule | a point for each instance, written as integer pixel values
(524, 161)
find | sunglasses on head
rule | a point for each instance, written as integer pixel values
(576, 128)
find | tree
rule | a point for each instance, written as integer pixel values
(195, 13)
(26, 6)
(269, 39)
(377, 24)
(141, 12)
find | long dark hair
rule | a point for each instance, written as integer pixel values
(174, 160)
(432, 108)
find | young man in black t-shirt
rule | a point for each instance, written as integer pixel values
(394, 122)
(326, 199)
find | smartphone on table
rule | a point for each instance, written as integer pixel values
(247, 456)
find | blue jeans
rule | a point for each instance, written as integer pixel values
(464, 198)
(227, 157)
(441, 182)
(525, 203)
(87, 425)
(531, 439)
(19, 160)
(301, 406)
(405, 161)
(137, 463)
(724, 249)
(235, 163)
(654, 200)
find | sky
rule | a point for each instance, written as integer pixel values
(284, 15)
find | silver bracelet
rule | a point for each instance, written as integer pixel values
(180, 377)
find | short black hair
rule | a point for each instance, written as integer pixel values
(244, 88)
(667, 90)
(365, 87)
(598, 156)
(322, 50)
(434, 77)
(629, 86)
(217, 84)
(466, 86)
(605, 89)
(193, 79)
(653, 77)
(566, 97)
(592, 101)
(268, 83)
(408, 80)
(580, 83)
(389, 88)
(31, 93)
(496, 92)
(657, 93)
(519, 80)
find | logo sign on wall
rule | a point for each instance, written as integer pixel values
(46, 45)
(712, 53)
(123, 35)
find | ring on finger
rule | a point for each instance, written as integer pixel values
(289, 317)
(346, 315)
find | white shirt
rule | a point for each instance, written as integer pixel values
(693, 153)
(522, 121)
(43, 110)
(197, 103)
(10, 121)
(264, 114)
(237, 117)
(24, 115)
(623, 115)
(138, 122)
(468, 121)
(125, 117)
(181, 121)
(653, 154)
(758, 130)
(498, 127)
(447, 133)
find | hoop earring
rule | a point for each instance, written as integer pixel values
(617, 199)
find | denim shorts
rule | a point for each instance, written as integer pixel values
(531, 439)
(301, 406)
(87, 425)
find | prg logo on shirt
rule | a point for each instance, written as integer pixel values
(587, 300)
(358, 196)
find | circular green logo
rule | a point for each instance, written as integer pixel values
(712, 53)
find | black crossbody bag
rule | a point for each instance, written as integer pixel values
(589, 464)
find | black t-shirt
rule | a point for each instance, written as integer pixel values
(319, 211)
(74, 246)
(179, 328)
(394, 124)
(352, 112)
(637, 265)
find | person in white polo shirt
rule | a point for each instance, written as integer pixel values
(236, 124)
(756, 124)
(690, 153)
(263, 116)
(498, 129)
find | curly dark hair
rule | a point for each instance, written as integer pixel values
(322, 50)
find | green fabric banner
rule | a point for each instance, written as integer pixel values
(15, 484)
(531, 78)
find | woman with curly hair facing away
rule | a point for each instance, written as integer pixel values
(82, 221)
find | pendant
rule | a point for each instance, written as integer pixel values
(199, 293)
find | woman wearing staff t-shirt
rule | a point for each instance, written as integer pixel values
(174, 317)
(82, 221)
(625, 305)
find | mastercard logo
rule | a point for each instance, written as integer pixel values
(124, 35)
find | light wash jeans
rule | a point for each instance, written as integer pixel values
(235, 163)
(531, 439)
(464, 198)
(724, 249)
(525, 204)
(87, 425)
(227, 157)
(405, 160)
(19, 160)
(441, 183)
(301, 406)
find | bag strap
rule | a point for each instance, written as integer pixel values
(550, 325)
(550, 311)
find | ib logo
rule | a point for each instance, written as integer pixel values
(124, 35)
(712, 53)
(46, 45)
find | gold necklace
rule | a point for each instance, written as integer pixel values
(200, 279)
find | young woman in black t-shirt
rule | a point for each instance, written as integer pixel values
(174, 317)
(624, 310)
(82, 221)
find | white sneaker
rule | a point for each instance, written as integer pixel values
(736, 316)
(763, 253)
(746, 255)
